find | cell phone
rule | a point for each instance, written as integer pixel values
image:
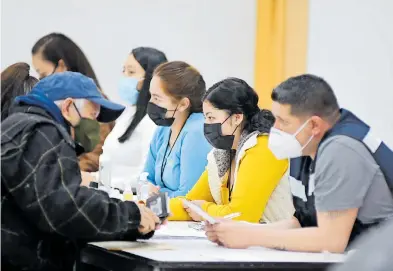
(200, 212)
(159, 204)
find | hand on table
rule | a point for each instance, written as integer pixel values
(149, 220)
(87, 177)
(153, 189)
(230, 234)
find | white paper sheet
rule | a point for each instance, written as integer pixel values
(130, 246)
(197, 249)
(179, 229)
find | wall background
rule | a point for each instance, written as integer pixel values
(217, 37)
(350, 44)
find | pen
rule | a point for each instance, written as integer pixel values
(232, 216)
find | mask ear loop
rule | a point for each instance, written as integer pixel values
(174, 112)
(308, 142)
(225, 121)
(77, 111)
(300, 129)
(78, 146)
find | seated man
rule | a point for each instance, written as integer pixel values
(45, 212)
(341, 186)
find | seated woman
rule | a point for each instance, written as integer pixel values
(128, 143)
(177, 154)
(242, 174)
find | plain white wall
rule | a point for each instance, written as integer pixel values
(351, 46)
(217, 37)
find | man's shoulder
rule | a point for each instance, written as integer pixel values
(21, 126)
(340, 144)
(346, 154)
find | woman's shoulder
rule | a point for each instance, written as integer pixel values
(194, 123)
(263, 140)
(256, 144)
(260, 150)
(160, 133)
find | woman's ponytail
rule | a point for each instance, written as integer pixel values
(261, 121)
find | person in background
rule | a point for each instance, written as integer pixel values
(178, 150)
(242, 174)
(341, 175)
(15, 81)
(56, 52)
(45, 211)
(128, 143)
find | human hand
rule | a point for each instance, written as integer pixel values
(153, 189)
(87, 177)
(230, 234)
(211, 233)
(149, 220)
(194, 216)
(163, 223)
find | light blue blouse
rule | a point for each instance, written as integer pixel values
(185, 163)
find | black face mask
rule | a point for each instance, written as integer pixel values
(157, 115)
(213, 134)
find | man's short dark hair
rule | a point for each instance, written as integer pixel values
(307, 95)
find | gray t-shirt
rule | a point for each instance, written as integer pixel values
(347, 176)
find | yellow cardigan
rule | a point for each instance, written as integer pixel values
(258, 175)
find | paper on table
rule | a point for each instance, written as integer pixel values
(179, 229)
(129, 246)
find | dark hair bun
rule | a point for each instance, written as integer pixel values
(261, 121)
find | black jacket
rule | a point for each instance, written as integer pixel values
(45, 213)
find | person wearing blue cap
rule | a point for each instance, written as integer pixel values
(56, 53)
(45, 210)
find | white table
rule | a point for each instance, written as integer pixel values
(196, 252)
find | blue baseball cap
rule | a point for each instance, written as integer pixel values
(60, 86)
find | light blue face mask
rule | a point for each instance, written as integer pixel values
(128, 89)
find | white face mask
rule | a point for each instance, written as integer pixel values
(284, 145)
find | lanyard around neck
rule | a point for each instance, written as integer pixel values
(165, 160)
(229, 186)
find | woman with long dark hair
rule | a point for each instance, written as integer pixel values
(15, 81)
(56, 52)
(128, 143)
(242, 174)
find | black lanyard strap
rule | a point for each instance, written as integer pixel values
(232, 154)
(165, 160)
